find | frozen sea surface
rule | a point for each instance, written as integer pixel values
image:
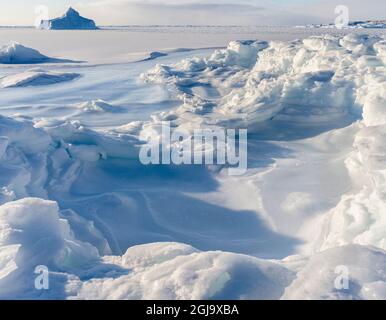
(75, 198)
(123, 44)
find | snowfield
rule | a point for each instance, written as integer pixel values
(75, 198)
(35, 77)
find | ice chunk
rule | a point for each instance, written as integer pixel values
(358, 217)
(23, 135)
(33, 229)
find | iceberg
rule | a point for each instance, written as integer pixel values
(71, 20)
(74, 197)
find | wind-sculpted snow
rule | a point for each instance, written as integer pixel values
(359, 216)
(175, 271)
(36, 77)
(318, 280)
(251, 82)
(33, 234)
(311, 205)
(98, 106)
(71, 20)
(14, 53)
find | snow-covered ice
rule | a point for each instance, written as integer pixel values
(75, 198)
(71, 20)
(369, 24)
(14, 52)
(36, 77)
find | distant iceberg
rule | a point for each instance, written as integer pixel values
(71, 20)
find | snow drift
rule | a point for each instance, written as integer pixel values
(71, 20)
(15, 53)
(36, 77)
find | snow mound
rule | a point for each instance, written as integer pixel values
(345, 273)
(15, 53)
(320, 79)
(358, 217)
(95, 106)
(369, 24)
(250, 84)
(71, 20)
(23, 135)
(177, 271)
(36, 77)
(33, 234)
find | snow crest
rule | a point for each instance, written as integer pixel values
(36, 77)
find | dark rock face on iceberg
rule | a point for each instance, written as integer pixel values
(71, 20)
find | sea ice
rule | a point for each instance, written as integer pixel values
(109, 228)
(15, 53)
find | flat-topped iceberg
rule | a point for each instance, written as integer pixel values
(71, 20)
(368, 24)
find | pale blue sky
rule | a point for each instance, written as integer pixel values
(199, 12)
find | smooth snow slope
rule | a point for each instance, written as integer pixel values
(75, 198)
(36, 77)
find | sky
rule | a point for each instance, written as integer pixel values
(193, 12)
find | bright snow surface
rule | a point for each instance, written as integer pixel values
(75, 198)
